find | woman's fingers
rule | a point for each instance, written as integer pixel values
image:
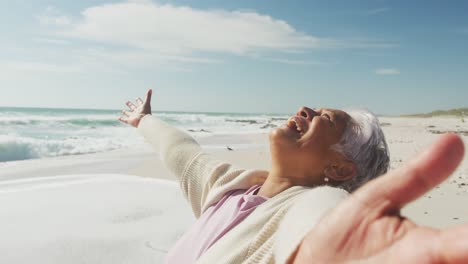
(139, 101)
(144, 107)
(148, 96)
(391, 192)
(131, 105)
(123, 120)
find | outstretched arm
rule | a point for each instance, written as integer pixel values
(175, 147)
(368, 228)
(197, 172)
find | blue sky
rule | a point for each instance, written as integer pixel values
(392, 57)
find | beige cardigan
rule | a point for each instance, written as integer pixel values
(272, 232)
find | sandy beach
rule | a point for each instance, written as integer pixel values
(92, 207)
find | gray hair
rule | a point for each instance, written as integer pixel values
(363, 142)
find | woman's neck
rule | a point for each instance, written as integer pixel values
(274, 184)
(280, 180)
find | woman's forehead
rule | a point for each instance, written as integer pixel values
(335, 111)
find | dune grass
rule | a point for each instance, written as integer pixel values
(457, 112)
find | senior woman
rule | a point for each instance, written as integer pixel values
(256, 216)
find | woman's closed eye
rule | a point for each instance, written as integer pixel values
(327, 116)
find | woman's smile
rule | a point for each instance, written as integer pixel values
(298, 124)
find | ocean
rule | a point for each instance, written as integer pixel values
(33, 133)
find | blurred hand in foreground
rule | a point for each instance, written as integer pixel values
(137, 111)
(368, 227)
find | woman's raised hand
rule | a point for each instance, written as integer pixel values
(138, 111)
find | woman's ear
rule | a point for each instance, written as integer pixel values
(346, 170)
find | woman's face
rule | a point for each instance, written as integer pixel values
(306, 138)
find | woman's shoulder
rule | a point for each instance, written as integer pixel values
(303, 213)
(324, 192)
(310, 195)
(314, 202)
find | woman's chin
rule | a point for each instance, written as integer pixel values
(276, 133)
(283, 135)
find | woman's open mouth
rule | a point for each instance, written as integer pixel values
(297, 124)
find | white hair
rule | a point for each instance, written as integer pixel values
(363, 143)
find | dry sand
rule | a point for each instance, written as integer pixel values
(446, 204)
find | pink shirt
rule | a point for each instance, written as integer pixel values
(214, 223)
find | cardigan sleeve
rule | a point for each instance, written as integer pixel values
(197, 172)
(304, 214)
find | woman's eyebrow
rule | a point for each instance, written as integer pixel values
(333, 116)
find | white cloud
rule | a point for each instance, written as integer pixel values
(142, 34)
(181, 30)
(387, 71)
(173, 29)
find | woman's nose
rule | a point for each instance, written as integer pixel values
(307, 113)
